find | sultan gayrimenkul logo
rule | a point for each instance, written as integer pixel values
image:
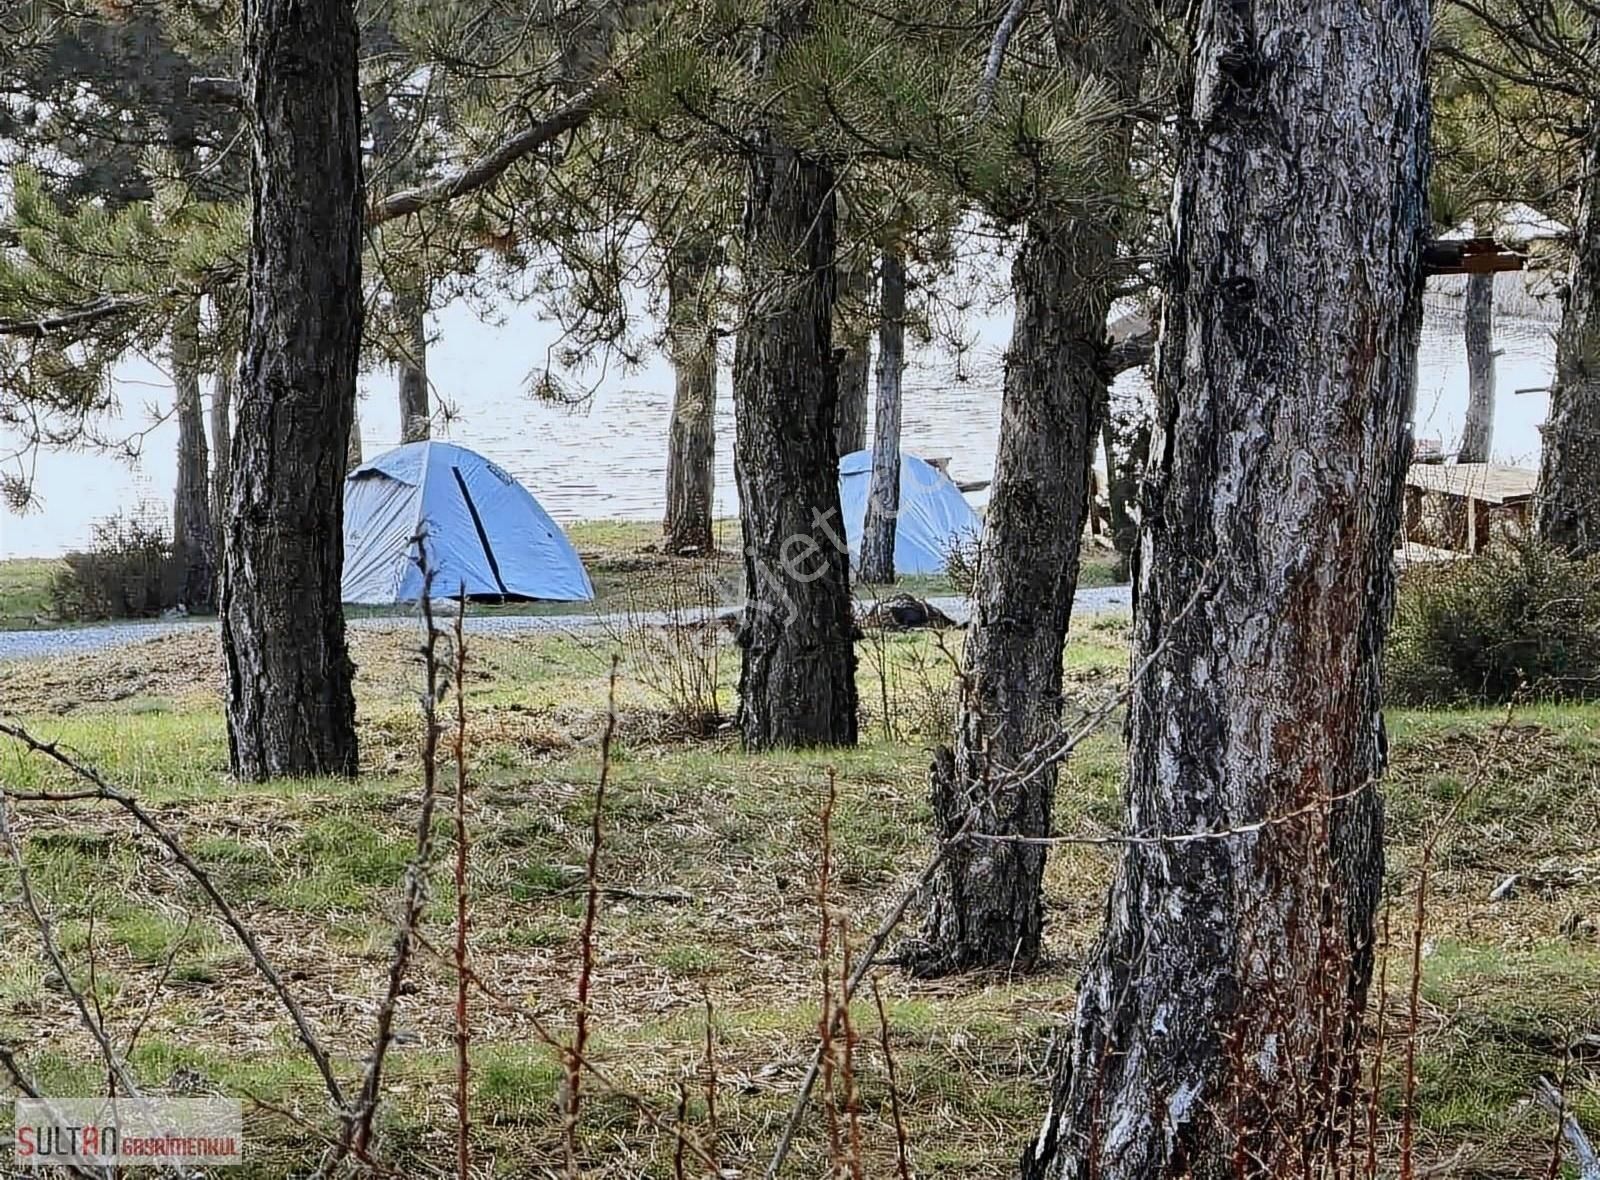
(108, 1132)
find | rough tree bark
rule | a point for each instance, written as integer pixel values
(416, 418)
(1122, 482)
(289, 703)
(986, 905)
(1568, 508)
(223, 386)
(855, 360)
(410, 299)
(352, 440)
(1477, 436)
(692, 436)
(192, 537)
(883, 497)
(1214, 1020)
(797, 676)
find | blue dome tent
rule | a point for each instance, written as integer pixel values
(934, 516)
(485, 531)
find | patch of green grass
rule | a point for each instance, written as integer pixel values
(538, 879)
(689, 960)
(516, 1083)
(525, 936)
(1097, 568)
(341, 862)
(149, 935)
(25, 591)
(22, 983)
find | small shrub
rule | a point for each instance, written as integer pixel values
(674, 648)
(961, 563)
(129, 571)
(1482, 628)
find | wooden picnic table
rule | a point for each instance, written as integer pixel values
(1485, 488)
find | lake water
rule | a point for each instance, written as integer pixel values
(608, 458)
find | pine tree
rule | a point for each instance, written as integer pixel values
(987, 905)
(883, 494)
(797, 683)
(1516, 121)
(1223, 999)
(290, 706)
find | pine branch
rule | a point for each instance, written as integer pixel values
(492, 165)
(79, 317)
(481, 173)
(997, 54)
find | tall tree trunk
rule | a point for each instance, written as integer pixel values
(223, 386)
(410, 300)
(1568, 508)
(855, 358)
(352, 440)
(416, 418)
(1126, 440)
(1216, 1019)
(192, 537)
(692, 436)
(986, 903)
(883, 498)
(290, 707)
(797, 683)
(1122, 484)
(1477, 437)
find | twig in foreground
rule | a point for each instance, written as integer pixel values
(463, 1030)
(87, 1016)
(902, 1152)
(609, 1084)
(104, 791)
(414, 896)
(591, 912)
(891, 921)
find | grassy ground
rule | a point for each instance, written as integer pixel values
(25, 590)
(622, 556)
(711, 863)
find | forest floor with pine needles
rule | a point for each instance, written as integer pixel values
(709, 867)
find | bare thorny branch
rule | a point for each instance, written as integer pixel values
(591, 910)
(100, 789)
(354, 1139)
(359, 1126)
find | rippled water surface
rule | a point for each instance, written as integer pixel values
(608, 458)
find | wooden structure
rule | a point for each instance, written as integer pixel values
(941, 464)
(1469, 256)
(1485, 489)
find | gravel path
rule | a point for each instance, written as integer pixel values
(23, 645)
